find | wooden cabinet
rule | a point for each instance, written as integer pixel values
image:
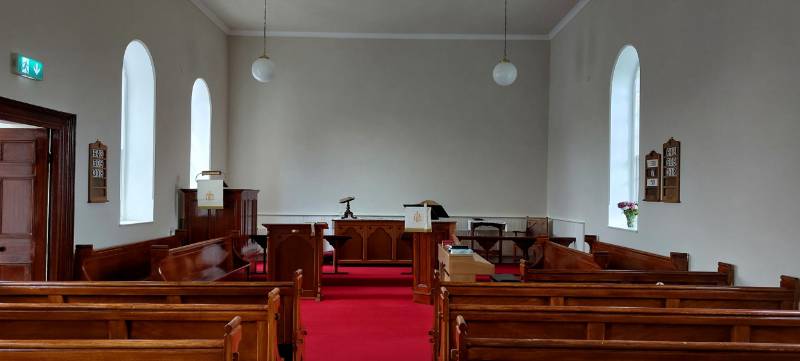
(374, 242)
(239, 214)
(296, 246)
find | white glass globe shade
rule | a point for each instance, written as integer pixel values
(263, 69)
(505, 73)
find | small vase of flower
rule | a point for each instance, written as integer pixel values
(631, 210)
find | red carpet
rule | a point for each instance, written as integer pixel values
(367, 322)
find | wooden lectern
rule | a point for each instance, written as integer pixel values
(425, 261)
(296, 246)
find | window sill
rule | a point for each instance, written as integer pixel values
(632, 230)
(133, 223)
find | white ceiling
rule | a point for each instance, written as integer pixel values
(447, 17)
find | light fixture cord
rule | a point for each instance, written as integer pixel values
(265, 28)
(505, 34)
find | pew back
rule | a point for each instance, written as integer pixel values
(620, 257)
(211, 260)
(723, 277)
(128, 262)
(27, 321)
(290, 329)
(116, 350)
(551, 255)
(507, 349)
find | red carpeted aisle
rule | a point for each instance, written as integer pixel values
(367, 315)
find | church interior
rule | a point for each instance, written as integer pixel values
(359, 180)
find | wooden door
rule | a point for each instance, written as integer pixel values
(23, 202)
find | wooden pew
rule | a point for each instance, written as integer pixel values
(128, 262)
(212, 260)
(627, 324)
(39, 321)
(620, 257)
(226, 349)
(785, 297)
(508, 349)
(551, 255)
(722, 277)
(290, 329)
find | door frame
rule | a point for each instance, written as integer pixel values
(61, 224)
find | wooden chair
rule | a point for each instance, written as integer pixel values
(488, 244)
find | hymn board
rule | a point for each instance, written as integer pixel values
(98, 172)
(671, 188)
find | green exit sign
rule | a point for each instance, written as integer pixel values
(28, 67)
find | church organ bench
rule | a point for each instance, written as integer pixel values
(37, 321)
(290, 329)
(211, 260)
(508, 349)
(705, 326)
(226, 349)
(785, 297)
(620, 257)
(128, 262)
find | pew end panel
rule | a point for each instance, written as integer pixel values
(233, 336)
(728, 270)
(792, 284)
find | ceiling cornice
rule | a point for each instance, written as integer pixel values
(393, 36)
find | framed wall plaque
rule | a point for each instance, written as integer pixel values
(671, 176)
(652, 177)
(98, 172)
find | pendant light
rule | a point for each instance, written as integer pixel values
(505, 73)
(263, 68)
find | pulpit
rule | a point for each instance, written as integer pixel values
(425, 260)
(296, 246)
(239, 214)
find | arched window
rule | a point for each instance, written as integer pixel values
(137, 142)
(624, 135)
(200, 156)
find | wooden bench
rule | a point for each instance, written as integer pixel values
(785, 297)
(39, 321)
(507, 349)
(625, 324)
(722, 277)
(226, 349)
(128, 262)
(620, 257)
(290, 329)
(212, 260)
(551, 255)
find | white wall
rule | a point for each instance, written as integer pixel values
(390, 122)
(720, 76)
(82, 43)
